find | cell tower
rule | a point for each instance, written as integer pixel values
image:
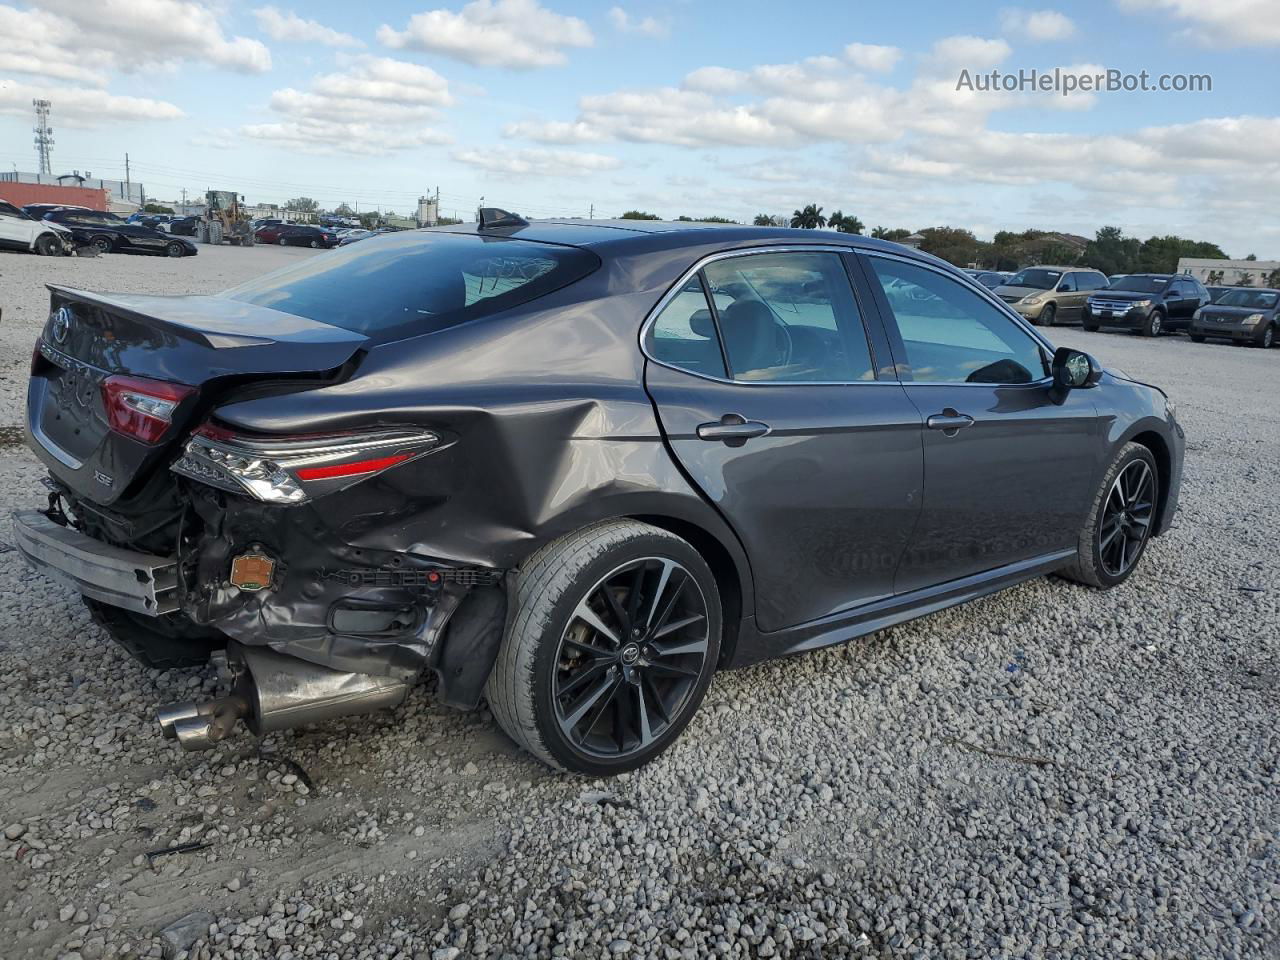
(44, 136)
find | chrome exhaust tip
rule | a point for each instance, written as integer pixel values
(169, 715)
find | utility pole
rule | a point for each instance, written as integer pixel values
(128, 190)
(592, 214)
(44, 137)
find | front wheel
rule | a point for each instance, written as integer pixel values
(174, 249)
(315, 244)
(102, 244)
(1120, 521)
(47, 245)
(1267, 339)
(283, 242)
(1154, 325)
(1048, 316)
(612, 645)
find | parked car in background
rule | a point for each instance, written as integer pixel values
(1147, 303)
(354, 236)
(1050, 295)
(536, 460)
(183, 226)
(1216, 292)
(110, 234)
(21, 231)
(989, 278)
(38, 210)
(304, 235)
(1242, 314)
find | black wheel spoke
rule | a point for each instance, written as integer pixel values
(630, 658)
(1126, 517)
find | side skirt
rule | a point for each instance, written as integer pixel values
(755, 646)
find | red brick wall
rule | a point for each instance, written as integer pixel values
(20, 194)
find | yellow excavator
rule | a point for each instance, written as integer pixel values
(225, 219)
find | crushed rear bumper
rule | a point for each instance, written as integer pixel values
(141, 582)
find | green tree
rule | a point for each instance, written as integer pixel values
(1252, 256)
(639, 215)
(1273, 278)
(952, 244)
(1244, 278)
(1215, 278)
(302, 205)
(1161, 254)
(845, 223)
(763, 220)
(342, 210)
(884, 233)
(810, 218)
(1112, 252)
(156, 208)
(715, 220)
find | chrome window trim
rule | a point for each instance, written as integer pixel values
(1019, 321)
(684, 278)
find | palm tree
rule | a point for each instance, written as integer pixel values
(810, 218)
(763, 220)
(845, 224)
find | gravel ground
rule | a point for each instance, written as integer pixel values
(1048, 772)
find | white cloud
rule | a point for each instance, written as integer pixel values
(493, 33)
(46, 48)
(646, 26)
(537, 162)
(285, 25)
(973, 53)
(871, 56)
(134, 35)
(376, 105)
(1037, 24)
(1245, 23)
(78, 107)
(554, 132)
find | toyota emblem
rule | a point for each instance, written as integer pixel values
(61, 327)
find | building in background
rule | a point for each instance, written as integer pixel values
(1230, 273)
(428, 214)
(20, 194)
(122, 197)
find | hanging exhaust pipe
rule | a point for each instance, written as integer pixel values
(271, 692)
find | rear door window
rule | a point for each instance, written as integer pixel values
(402, 284)
(789, 316)
(684, 334)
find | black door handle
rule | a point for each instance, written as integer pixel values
(733, 429)
(948, 421)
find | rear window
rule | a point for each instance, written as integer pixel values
(414, 282)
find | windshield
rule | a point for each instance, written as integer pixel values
(1257, 299)
(416, 282)
(1038, 279)
(1138, 284)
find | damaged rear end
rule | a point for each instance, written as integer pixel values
(283, 556)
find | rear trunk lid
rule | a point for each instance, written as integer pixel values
(209, 343)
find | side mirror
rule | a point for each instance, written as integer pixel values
(1062, 287)
(1072, 370)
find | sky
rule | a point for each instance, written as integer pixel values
(564, 108)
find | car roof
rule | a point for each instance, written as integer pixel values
(620, 234)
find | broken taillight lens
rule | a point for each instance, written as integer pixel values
(294, 468)
(140, 408)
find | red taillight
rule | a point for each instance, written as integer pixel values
(140, 408)
(351, 469)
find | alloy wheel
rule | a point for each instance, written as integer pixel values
(1126, 518)
(630, 657)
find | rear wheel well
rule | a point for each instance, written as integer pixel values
(1160, 450)
(722, 568)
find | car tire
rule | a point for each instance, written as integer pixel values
(48, 245)
(1048, 316)
(282, 242)
(638, 696)
(102, 243)
(1267, 338)
(1096, 546)
(1154, 326)
(315, 244)
(1196, 338)
(174, 249)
